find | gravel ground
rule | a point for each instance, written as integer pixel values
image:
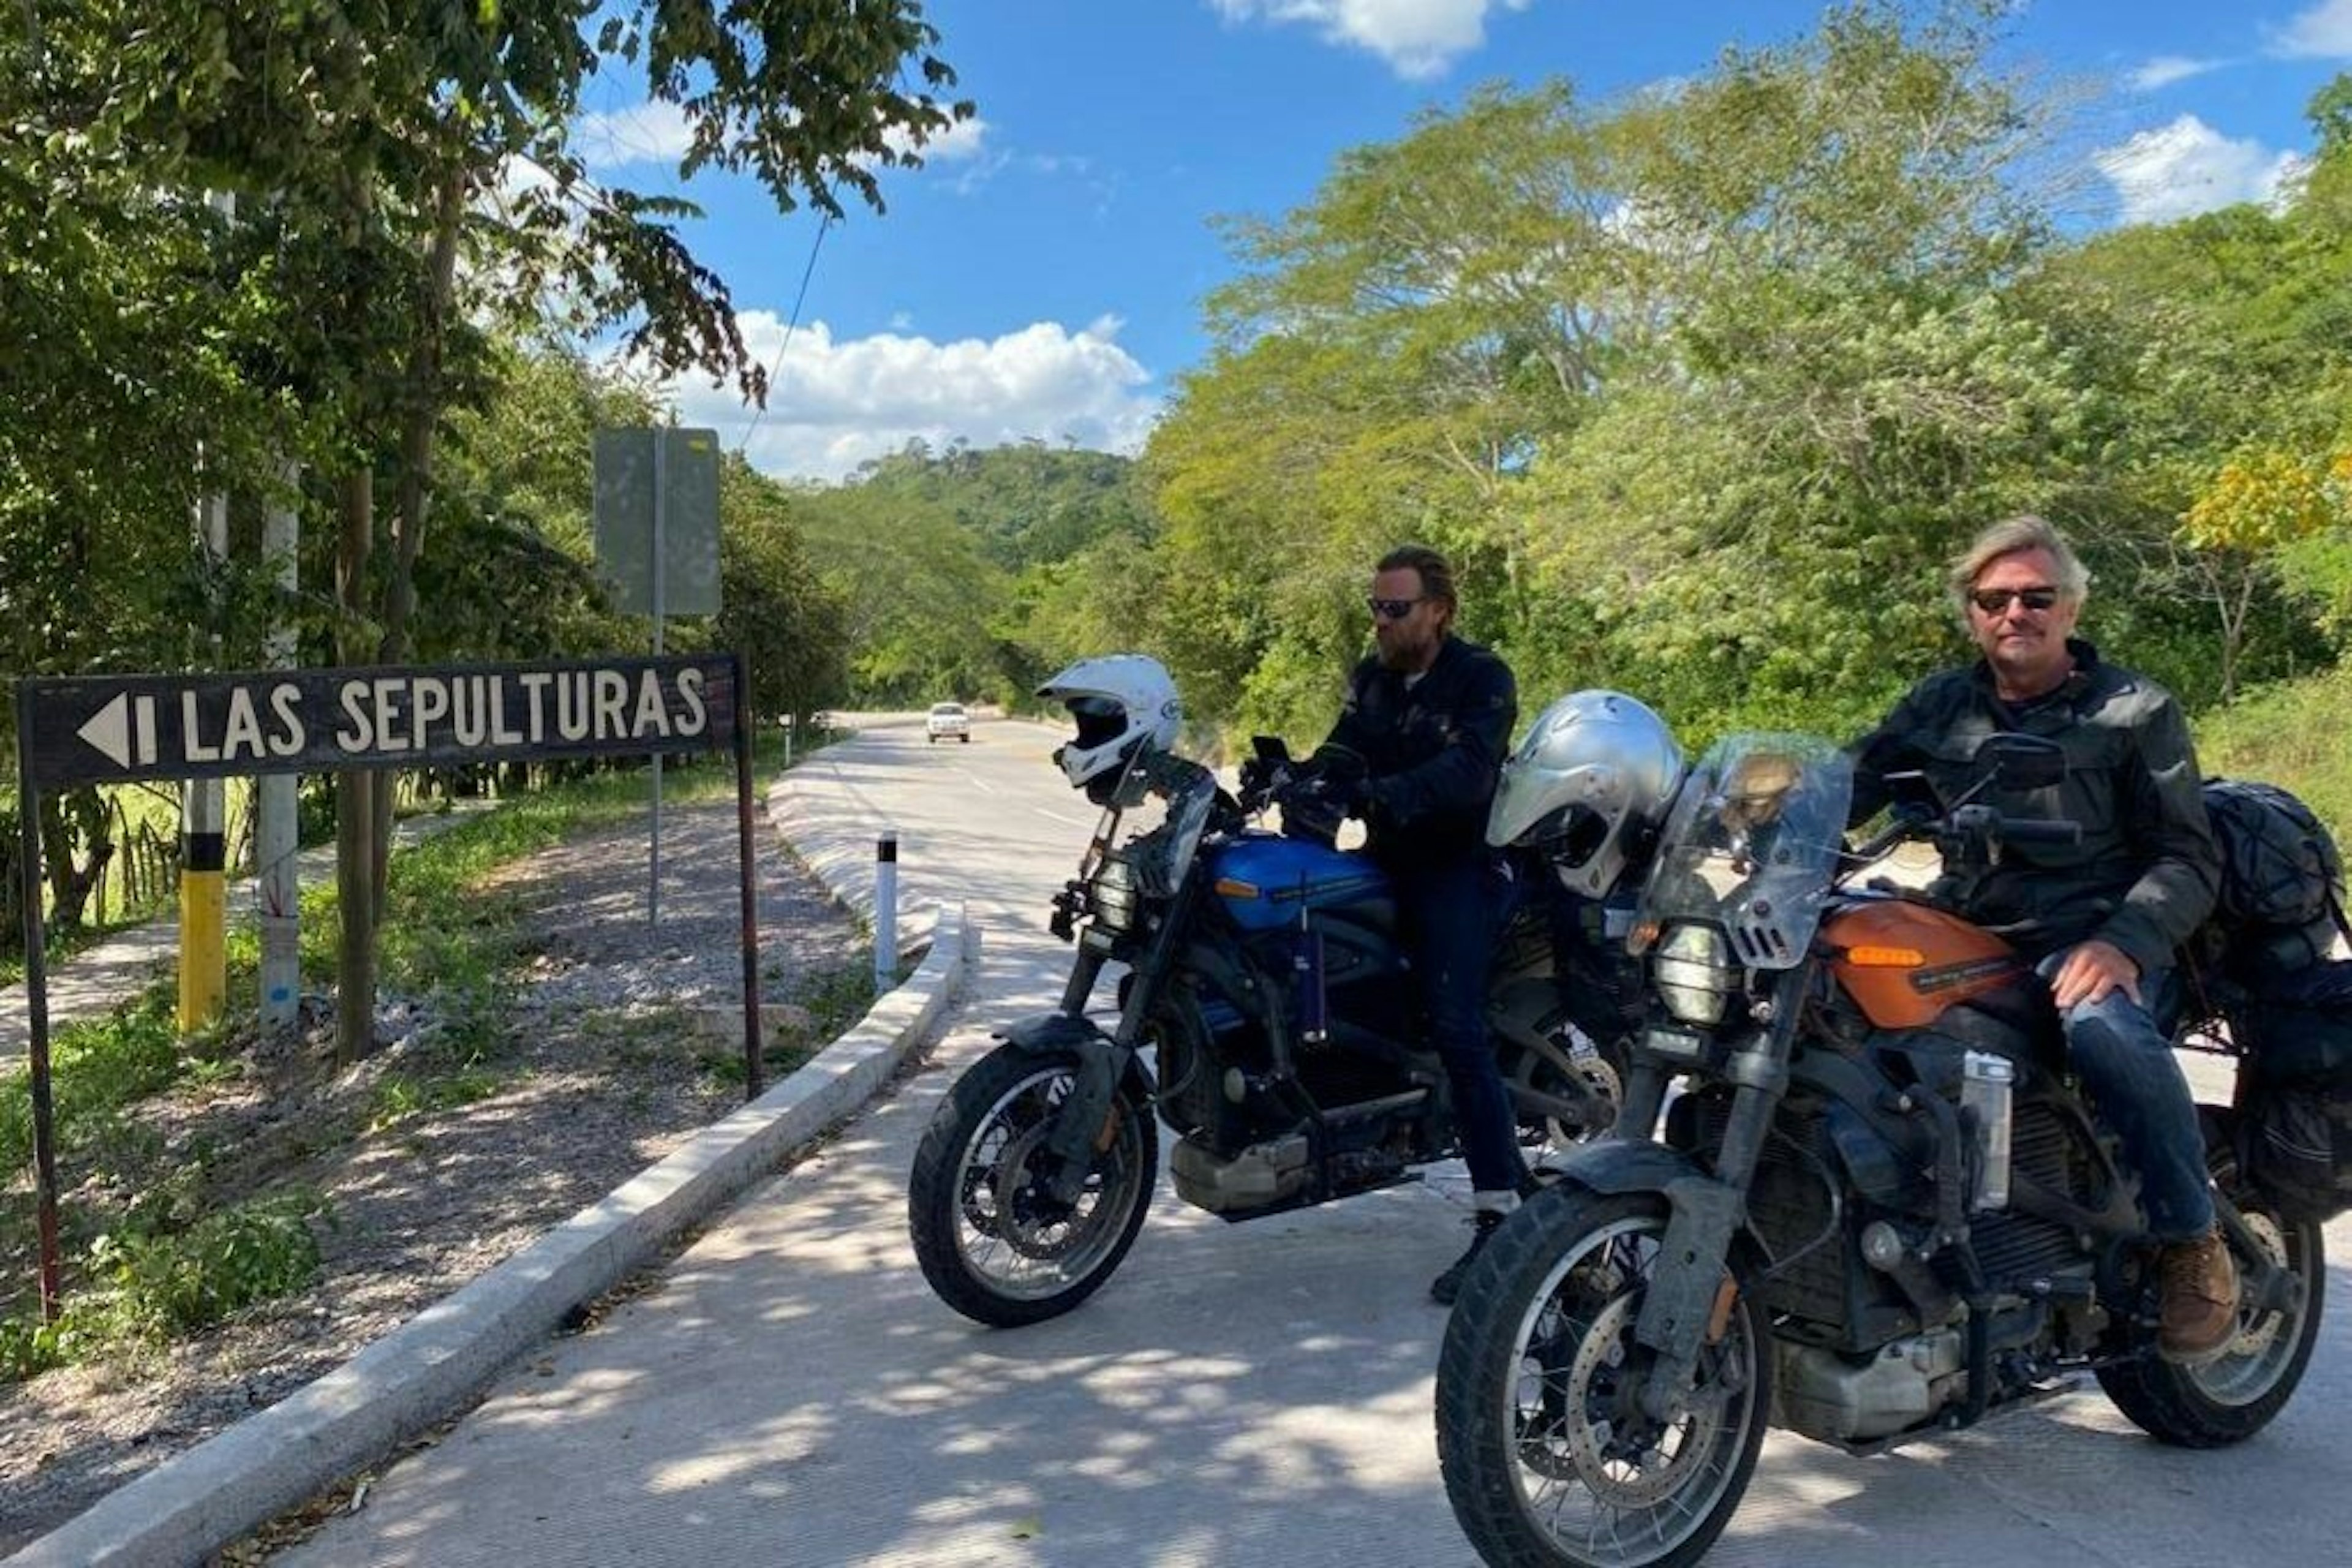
(603, 1071)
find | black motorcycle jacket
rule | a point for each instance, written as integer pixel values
(1432, 752)
(2146, 872)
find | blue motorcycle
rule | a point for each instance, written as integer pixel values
(1267, 1017)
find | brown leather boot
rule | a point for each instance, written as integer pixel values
(2199, 1290)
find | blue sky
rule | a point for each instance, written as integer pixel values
(1042, 276)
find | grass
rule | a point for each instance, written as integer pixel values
(2293, 735)
(153, 1253)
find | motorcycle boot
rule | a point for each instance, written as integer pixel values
(2199, 1287)
(1448, 1285)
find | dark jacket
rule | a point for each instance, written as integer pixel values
(2144, 874)
(1433, 751)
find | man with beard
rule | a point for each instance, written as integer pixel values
(1415, 753)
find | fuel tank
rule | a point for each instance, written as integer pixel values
(1905, 962)
(1265, 879)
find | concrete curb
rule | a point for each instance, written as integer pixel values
(431, 1366)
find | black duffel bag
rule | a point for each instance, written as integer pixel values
(2298, 1040)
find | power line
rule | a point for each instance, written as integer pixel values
(760, 411)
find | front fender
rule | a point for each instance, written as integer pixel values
(1101, 1061)
(1707, 1215)
(1049, 1032)
(1616, 1166)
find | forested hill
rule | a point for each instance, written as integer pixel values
(1025, 505)
(974, 573)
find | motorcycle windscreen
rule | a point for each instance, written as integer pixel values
(1191, 796)
(1753, 844)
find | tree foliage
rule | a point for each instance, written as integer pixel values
(406, 184)
(1702, 387)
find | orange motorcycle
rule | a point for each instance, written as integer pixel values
(1853, 1193)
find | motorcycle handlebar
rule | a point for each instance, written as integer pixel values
(1968, 821)
(2016, 831)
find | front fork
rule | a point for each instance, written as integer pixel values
(1684, 1303)
(1084, 1126)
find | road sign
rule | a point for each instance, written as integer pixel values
(686, 463)
(115, 729)
(102, 729)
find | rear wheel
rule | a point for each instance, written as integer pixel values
(2233, 1397)
(992, 1240)
(1596, 1077)
(1548, 1458)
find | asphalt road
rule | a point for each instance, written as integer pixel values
(789, 1393)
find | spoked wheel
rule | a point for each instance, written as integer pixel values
(991, 1238)
(2231, 1398)
(1596, 1076)
(1549, 1459)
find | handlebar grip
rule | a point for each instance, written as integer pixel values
(2026, 830)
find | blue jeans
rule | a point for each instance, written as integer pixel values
(1450, 914)
(2125, 1060)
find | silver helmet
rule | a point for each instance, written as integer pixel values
(1595, 773)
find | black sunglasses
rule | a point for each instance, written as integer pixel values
(1394, 609)
(1995, 601)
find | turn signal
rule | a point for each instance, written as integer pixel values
(1886, 957)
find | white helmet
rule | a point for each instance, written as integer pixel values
(1597, 769)
(1121, 701)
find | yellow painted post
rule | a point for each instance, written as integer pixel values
(203, 906)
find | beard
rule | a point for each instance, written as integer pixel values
(1406, 655)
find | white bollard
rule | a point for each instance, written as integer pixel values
(886, 910)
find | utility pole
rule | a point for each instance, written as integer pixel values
(275, 835)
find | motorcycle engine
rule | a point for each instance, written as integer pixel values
(1833, 1398)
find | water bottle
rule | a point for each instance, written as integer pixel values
(1987, 1085)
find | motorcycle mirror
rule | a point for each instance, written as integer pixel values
(2018, 762)
(1269, 749)
(1909, 792)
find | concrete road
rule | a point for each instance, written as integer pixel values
(789, 1395)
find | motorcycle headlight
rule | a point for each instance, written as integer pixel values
(1114, 895)
(1694, 973)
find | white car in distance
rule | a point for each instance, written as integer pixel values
(944, 720)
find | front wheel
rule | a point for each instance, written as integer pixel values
(1548, 1458)
(991, 1238)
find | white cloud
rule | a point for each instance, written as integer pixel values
(2188, 167)
(656, 132)
(652, 132)
(2165, 69)
(958, 143)
(2323, 32)
(1417, 38)
(832, 405)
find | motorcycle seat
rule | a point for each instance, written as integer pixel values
(2018, 1022)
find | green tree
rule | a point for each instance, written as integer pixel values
(919, 596)
(367, 141)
